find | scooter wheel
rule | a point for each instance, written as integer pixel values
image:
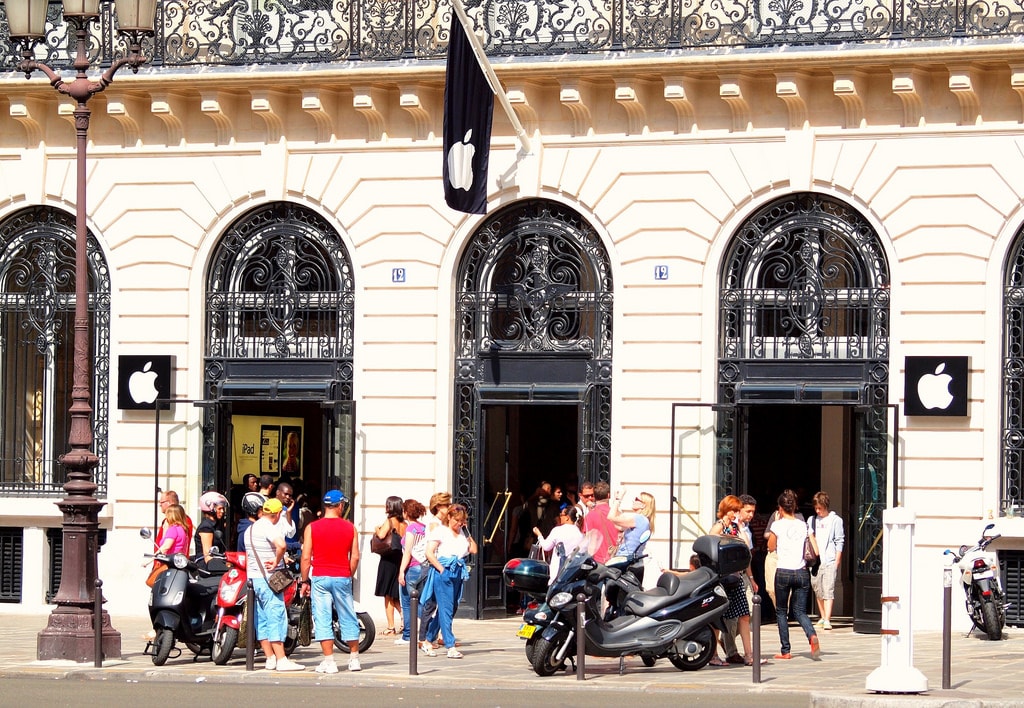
(367, 632)
(222, 649)
(705, 644)
(162, 646)
(531, 645)
(544, 662)
(993, 627)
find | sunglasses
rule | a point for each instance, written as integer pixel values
(586, 496)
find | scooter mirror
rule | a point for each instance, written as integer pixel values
(146, 533)
(645, 536)
(990, 526)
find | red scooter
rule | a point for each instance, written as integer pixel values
(230, 607)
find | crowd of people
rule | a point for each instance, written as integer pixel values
(420, 549)
(425, 548)
(789, 576)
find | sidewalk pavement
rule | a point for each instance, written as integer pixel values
(984, 673)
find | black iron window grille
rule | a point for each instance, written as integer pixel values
(805, 279)
(37, 311)
(534, 282)
(280, 287)
(243, 32)
(1012, 439)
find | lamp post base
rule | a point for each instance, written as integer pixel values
(69, 635)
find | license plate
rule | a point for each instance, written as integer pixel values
(983, 574)
(526, 631)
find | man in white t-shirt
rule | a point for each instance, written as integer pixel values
(265, 548)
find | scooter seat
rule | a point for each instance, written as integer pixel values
(671, 587)
(204, 586)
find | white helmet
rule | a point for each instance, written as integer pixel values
(210, 501)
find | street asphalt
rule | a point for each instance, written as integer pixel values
(982, 672)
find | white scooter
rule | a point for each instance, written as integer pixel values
(979, 574)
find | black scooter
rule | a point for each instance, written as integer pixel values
(672, 620)
(613, 582)
(183, 608)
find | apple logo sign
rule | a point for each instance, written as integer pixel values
(936, 386)
(143, 381)
(142, 384)
(933, 389)
(460, 163)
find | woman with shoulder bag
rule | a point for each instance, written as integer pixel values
(265, 548)
(792, 581)
(414, 556)
(387, 542)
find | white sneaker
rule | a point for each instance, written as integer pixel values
(271, 664)
(287, 664)
(401, 641)
(353, 664)
(327, 666)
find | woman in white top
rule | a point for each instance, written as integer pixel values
(792, 581)
(447, 548)
(566, 532)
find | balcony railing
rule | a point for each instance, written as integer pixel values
(248, 32)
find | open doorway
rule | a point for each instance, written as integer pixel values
(524, 446)
(806, 448)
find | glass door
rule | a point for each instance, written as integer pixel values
(339, 453)
(876, 453)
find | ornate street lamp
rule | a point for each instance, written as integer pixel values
(69, 634)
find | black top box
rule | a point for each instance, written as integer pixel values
(527, 575)
(723, 554)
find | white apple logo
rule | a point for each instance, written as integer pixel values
(933, 389)
(142, 385)
(460, 163)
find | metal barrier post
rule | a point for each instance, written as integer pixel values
(414, 629)
(947, 621)
(755, 634)
(581, 640)
(250, 627)
(97, 623)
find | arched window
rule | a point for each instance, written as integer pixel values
(37, 314)
(805, 278)
(280, 287)
(1012, 439)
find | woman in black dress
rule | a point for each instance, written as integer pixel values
(387, 570)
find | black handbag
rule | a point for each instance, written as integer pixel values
(279, 580)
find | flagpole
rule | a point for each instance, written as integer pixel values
(492, 78)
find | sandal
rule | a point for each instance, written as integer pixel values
(750, 662)
(390, 630)
(715, 661)
(428, 648)
(454, 653)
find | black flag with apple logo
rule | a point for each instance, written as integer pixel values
(468, 106)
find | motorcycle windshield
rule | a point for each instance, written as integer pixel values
(576, 566)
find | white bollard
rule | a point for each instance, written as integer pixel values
(897, 673)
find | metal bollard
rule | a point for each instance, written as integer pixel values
(947, 621)
(97, 624)
(250, 627)
(581, 640)
(414, 630)
(755, 634)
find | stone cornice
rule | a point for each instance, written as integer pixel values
(627, 97)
